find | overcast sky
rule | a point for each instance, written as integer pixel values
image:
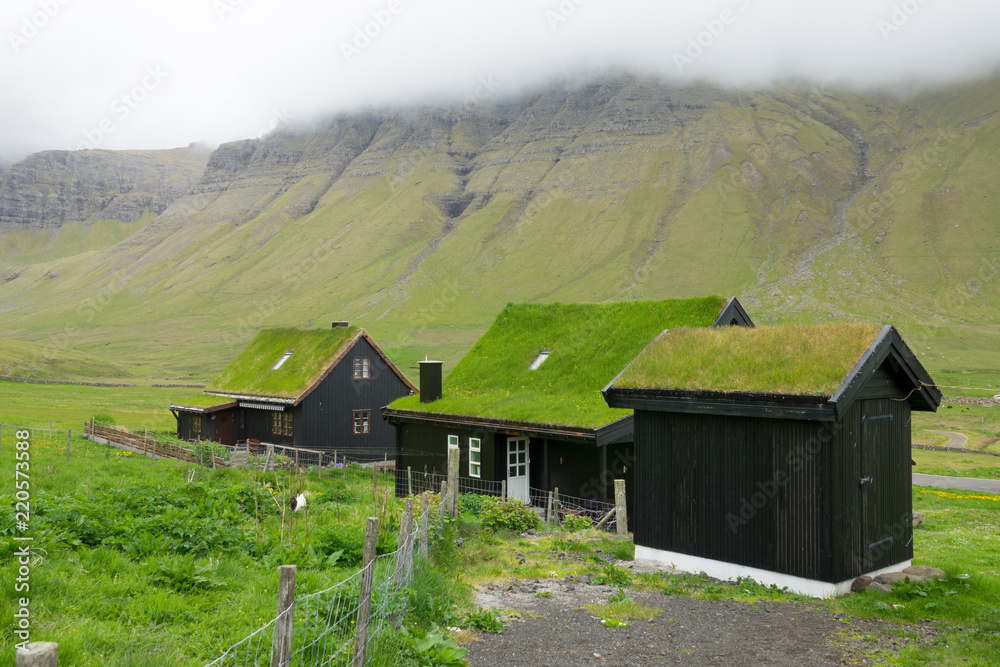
(139, 74)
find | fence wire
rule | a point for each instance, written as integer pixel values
(325, 624)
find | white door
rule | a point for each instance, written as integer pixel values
(517, 469)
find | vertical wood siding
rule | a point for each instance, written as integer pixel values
(743, 490)
(324, 420)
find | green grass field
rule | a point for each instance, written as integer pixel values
(136, 565)
(956, 464)
(69, 406)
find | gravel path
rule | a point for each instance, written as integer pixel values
(556, 632)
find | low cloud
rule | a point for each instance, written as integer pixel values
(230, 69)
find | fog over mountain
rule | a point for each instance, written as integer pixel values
(115, 74)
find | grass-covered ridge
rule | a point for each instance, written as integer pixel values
(778, 359)
(589, 343)
(312, 352)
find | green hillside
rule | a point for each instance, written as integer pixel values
(421, 224)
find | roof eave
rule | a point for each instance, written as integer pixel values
(773, 406)
(586, 434)
(889, 345)
(279, 400)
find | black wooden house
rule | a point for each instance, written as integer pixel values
(780, 453)
(524, 404)
(318, 389)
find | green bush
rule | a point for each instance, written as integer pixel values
(471, 504)
(104, 420)
(510, 514)
(484, 620)
(574, 522)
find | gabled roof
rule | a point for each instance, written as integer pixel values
(588, 344)
(793, 370)
(314, 353)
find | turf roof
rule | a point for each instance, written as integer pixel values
(589, 343)
(313, 350)
(796, 359)
(202, 401)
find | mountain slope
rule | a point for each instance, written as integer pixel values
(420, 224)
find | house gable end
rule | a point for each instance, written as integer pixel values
(888, 355)
(733, 315)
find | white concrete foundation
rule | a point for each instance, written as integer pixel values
(732, 571)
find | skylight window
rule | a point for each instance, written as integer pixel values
(279, 362)
(539, 360)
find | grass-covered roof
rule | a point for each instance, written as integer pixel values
(796, 359)
(201, 401)
(313, 350)
(589, 344)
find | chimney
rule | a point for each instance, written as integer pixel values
(339, 324)
(430, 381)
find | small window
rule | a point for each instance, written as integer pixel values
(475, 457)
(362, 422)
(279, 362)
(362, 368)
(539, 360)
(281, 423)
(453, 441)
(196, 423)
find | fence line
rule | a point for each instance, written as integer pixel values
(326, 624)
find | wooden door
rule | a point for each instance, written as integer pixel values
(518, 467)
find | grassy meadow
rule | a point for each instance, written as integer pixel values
(134, 564)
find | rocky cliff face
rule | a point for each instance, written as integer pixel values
(421, 223)
(52, 188)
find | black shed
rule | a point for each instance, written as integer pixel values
(780, 453)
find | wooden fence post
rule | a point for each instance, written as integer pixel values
(453, 459)
(201, 462)
(405, 533)
(503, 490)
(409, 481)
(319, 468)
(152, 452)
(555, 506)
(281, 645)
(424, 519)
(548, 514)
(621, 514)
(69, 436)
(365, 594)
(444, 495)
(38, 654)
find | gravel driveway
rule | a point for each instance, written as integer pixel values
(555, 631)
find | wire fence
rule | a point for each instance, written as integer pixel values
(343, 624)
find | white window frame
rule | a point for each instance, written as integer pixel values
(453, 441)
(478, 449)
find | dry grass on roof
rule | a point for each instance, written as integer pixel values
(800, 359)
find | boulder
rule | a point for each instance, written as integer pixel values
(880, 588)
(926, 571)
(896, 577)
(861, 583)
(918, 518)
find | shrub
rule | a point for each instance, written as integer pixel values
(471, 504)
(183, 574)
(510, 514)
(104, 420)
(575, 522)
(350, 540)
(484, 620)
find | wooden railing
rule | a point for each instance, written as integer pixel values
(148, 445)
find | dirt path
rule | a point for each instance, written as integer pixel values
(555, 631)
